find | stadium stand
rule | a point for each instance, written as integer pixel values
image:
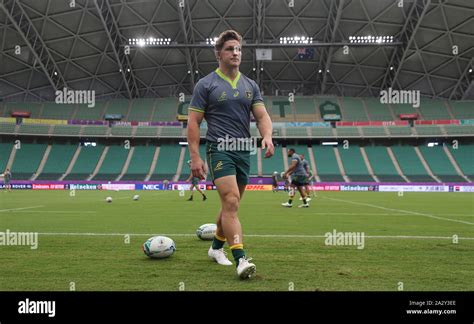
(462, 109)
(354, 164)
(274, 164)
(185, 170)
(66, 130)
(382, 164)
(326, 163)
(434, 109)
(166, 165)
(31, 107)
(142, 110)
(440, 164)
(85, 163)
(27, 160)
(34, 129)
(113, 163)
(52, 110)
(305, 108)
(57, 162)
(140, 163)
(464, 156)
(5, 151)
(410, 163)
(83, 112)
(378, 111)
(353, 109)
(165, 109)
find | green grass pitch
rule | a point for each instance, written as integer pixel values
(82, 242)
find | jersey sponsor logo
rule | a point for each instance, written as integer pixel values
(218, 166)
(223, 96)
(248, 94)
(236, 94)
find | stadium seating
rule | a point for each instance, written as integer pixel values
(347, 131)
(85, 163)
(403, 109)
(83, 112)
(326, 163)
(33, 129)
(167, 163)
(33, 108)
(140, 163)
(274, 164)
(354, 164)
(373, 131)
(464, 156)
(459, 129)
(377, 110)
(125, 131)
(146, 131)
(428, 130)
(382, 164)
(27, 160)
(7, 128)
(141, 110)
(434, 109)
(305, 108)
(399, 130)
(165, 109)
(410, 164)
(462, 109)
(118, 107)
(5, 151)
(57, 162)
(95, 130)
(321, 132)
(353, 109)
(113, 163)
(52, 110)
(254, 164)
(66, 130)
(440, 164)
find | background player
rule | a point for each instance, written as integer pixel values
(194, 184)
(298, 180)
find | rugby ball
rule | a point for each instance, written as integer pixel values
(159, 247)
(206, 232)
(136, 197)
(108, 199)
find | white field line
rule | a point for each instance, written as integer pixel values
(55, 211)
(400, 210)
(254, 235)
(15, 209)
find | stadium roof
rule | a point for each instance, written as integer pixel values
(82, 46)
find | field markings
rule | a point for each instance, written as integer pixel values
(252, 235)
(21, 208)
(56, 211)
(400, 210)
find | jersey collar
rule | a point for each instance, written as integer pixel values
(226, 78)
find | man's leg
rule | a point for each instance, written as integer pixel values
(291, 193)
(303, 195)
(201, 192)
(191, 198)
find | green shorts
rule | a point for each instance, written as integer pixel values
(195, 181)
(299, 180)
(224, 163)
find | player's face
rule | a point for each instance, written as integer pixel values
(231, 53)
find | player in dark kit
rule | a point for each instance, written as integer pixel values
(7, 176)
(299, 179)
(195, 184)
(225, 98)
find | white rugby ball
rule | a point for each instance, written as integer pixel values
(136, 197)
(206, 232)
(159, 247)
(108, 199)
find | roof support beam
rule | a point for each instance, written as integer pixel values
(464, 85)
(406, 36)
(116, 40)
(186, 23)
(258, 22)
(334, 16)
(22, 23)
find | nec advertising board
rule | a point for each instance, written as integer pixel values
(414, 188)
(155, 186)
(17, 186)
(48, 186)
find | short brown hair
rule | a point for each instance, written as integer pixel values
(225, 36)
